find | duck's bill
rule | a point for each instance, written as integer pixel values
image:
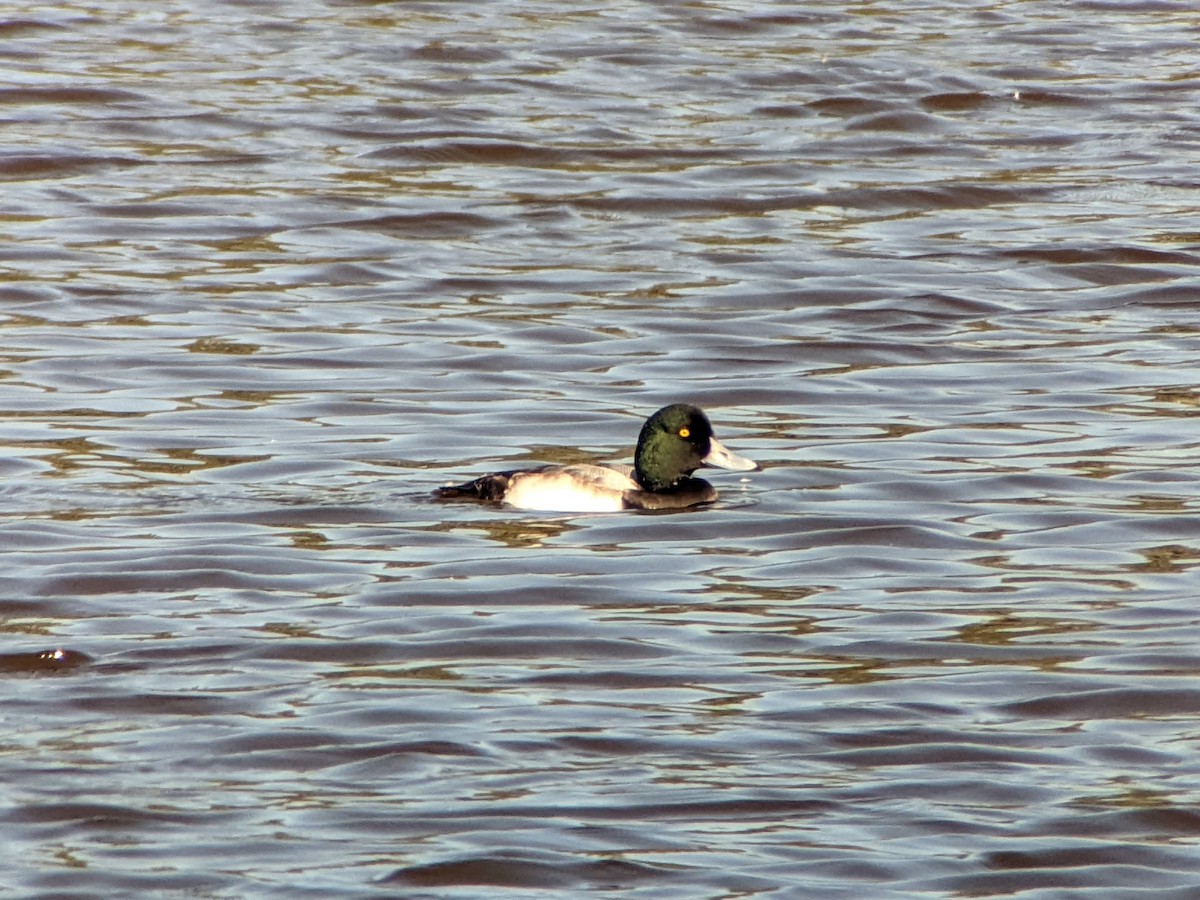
(722, 457)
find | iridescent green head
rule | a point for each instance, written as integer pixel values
(676, 441)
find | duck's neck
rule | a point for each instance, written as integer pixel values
(646, 482)
(655, 483)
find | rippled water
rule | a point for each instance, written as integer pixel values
(271, 274)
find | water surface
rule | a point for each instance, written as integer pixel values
(271, 276)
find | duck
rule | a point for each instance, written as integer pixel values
(673, 443)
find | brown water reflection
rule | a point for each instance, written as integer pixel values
(269, 277)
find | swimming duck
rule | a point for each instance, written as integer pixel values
(673, 443)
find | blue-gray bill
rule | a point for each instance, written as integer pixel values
(721, 457)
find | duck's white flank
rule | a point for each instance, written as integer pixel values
(581, 488)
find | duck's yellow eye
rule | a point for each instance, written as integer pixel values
(685, 432)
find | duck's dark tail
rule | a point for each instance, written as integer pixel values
(489, 487)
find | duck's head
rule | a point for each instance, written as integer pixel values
(676, 441)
